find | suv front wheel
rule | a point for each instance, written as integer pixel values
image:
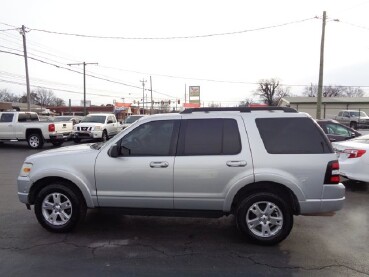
(59, 208)
(265, 218)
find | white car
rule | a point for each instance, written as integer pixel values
(354, 158)
(131, 119)
(96, 126)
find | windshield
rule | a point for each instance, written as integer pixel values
(62, 118)
(132, 118)
(94, 119)
(358, 114)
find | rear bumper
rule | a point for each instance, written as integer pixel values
(59, 136)
(333, 198)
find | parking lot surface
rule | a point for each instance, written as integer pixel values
(113, 244)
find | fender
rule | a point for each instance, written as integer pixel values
(86, 187)
(264, 177)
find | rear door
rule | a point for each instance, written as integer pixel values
(213, 155)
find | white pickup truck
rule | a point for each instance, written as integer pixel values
(96, 126)
(353, 118)
(26, 126)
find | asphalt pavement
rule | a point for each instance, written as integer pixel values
(111, 244)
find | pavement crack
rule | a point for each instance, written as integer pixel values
(255, 262)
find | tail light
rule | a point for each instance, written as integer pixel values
(332, 175)
(51, 127)
(354, 153)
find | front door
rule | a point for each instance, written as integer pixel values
(142, 175)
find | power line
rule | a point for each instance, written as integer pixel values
(62, 67)
(5, 30)
(90, 75)
(173, 37)
(354, 25)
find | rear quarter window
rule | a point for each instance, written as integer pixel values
(292, 136)
(216, 136)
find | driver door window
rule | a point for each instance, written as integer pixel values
(156, 138)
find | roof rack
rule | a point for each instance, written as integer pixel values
(240, 109)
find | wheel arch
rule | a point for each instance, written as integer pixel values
(34, 131)
(266, 186)
(40, 184)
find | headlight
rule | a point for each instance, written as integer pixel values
(25, 170)
(97, 128)
(74, 128)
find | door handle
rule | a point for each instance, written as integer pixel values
(236, 163)
(159, 164)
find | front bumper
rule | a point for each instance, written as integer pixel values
(333, 198)
(24, 185)
(87, 134)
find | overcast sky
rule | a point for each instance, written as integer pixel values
(249, 41)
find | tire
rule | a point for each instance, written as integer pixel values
(104, 136)
(252, 215)
(58, 208)
(77, 140)
(353, 125)
(35, 141)
(57, 143)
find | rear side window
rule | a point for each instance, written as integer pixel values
(25, 117)
(214, 136)
(292, 136)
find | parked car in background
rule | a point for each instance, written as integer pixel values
(96, 126)
(354, 119)
(26, 126)
(130, 119)
(336, 131)
(353, 156)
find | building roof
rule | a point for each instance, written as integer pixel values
(325, 100)
(5, 106)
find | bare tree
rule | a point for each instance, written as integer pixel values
(43, 97)
(246, 102)
(6, 96)
(57, 102)
(354, 92)
(215, 105)
(334, 91)
(270, 91)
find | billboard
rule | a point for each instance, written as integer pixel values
(194, 94)
(88, 103)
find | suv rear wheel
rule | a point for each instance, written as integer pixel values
(265, 218)
(58, 208)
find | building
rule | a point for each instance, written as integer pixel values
(330, 105)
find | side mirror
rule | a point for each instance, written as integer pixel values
(114, 151)
(110, 122)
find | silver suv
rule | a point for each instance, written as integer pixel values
(262, 165)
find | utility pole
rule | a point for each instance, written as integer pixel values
(23, 33)
(152, 103)
(320, 84)
(84, 83)
(143, 81)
